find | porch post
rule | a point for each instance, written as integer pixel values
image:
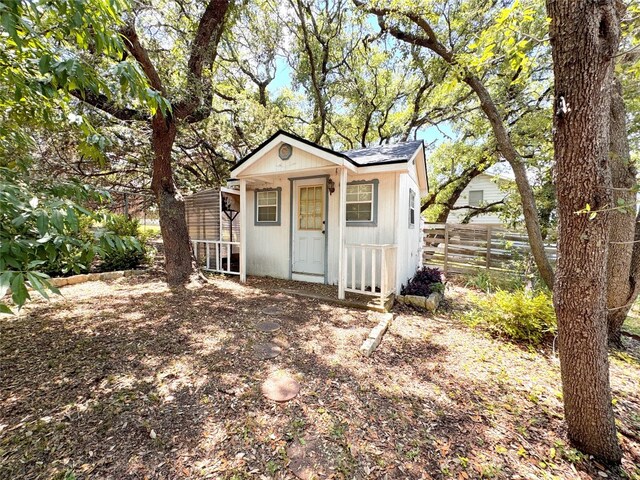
(342, 260)
(243, 230)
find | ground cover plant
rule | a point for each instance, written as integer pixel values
(521, 315)
(132, 379)
(425, 281)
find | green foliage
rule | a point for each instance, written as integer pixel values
(134, 254)
(45, 230)
(424, 282)
(44, 65)
(122, 226)
(521, 315)
(490, 282)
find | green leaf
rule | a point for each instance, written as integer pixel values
(37, 285)
(19, 292)
(42, 223)
(5, 309)
(5, 282)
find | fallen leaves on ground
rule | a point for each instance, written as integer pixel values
(131, 379)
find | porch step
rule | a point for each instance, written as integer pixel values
(375, 305)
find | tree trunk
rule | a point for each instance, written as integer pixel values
(173, 225)
(584, 39)
(529, 209)
(621, 288)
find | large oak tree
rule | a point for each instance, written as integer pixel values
(584, 39)
(189, 101)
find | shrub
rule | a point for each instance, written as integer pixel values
(118, 255)
(520, 315)
(127, 259)
(424, 282)
(490, 282)
(122, 226)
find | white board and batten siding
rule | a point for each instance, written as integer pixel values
(490, 193)
(300, 162)
(269, 246)
(409, 241)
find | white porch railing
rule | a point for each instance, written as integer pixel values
(216, 255)
(370, 269)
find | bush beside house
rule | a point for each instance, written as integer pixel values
(424, 290)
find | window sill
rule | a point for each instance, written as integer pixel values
(362, 224)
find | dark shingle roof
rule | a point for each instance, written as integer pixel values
(382, 154)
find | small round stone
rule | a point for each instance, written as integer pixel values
(268, 327)
(266, 351)
(280, 387)
(275, 311)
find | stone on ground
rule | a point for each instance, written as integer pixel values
(275, 311)
(268, 327)
(376, 334)
(415, 300)
(266, 351)
(280, 387)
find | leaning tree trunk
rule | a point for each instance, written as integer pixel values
(175, 235)
(584, 40)
(622, 290)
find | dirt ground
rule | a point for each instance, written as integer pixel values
(130, 379)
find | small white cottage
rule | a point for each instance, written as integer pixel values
(350, 219)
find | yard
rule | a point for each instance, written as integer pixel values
(130, 379)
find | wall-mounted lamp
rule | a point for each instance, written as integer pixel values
(331, 186)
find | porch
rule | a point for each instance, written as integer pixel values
(321, 225)
(369, 273)
(322, 293)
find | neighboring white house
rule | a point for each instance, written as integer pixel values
(483, 189)
(350, 219)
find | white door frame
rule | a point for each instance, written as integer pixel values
(293, 191)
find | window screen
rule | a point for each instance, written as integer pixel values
(267, 206)
(360, 202)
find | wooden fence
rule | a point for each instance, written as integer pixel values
(467, 249)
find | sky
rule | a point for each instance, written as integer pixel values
(431, 135)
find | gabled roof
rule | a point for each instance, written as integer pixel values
(293, 137)
(379, 155)
(384, 154)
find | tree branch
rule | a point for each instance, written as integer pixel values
(203, 52)
(103, 103)
(133, 45)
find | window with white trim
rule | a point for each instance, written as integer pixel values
(476, 198)
(360, 202)
(267, 206)
(412, 208)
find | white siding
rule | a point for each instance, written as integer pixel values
(269, 247)
(384, 232)
(409, 253)
(491, 193)
(271, 163)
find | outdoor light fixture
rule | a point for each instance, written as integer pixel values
(331, 186)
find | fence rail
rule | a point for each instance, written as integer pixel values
(460, 248)
(370, 269)
(217, 256)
